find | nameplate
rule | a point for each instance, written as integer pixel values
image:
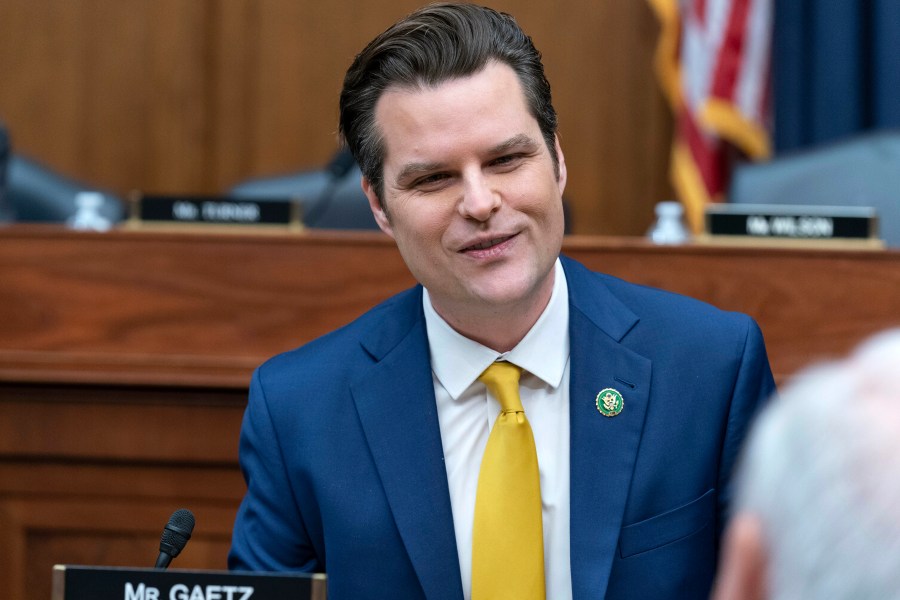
(111, 583)
(214, 210)
(792, 222)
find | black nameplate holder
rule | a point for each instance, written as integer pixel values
(112, 583)
(841, 225)
(218, 211)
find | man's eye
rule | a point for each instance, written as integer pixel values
(506, 159)
(430, 180)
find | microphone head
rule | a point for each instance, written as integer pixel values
(5, 150)
(177, 532)
(341, 164)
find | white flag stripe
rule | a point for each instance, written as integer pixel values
(752, 85)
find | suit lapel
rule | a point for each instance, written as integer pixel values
(603, 449)
(395, 402)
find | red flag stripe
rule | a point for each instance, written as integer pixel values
(731, 52)
(705, 151)
(700, 10)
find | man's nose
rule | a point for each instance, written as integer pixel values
(479, 199)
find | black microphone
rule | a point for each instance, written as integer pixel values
(342, 163)
(5, 150)
(6, 212)
(175, 535)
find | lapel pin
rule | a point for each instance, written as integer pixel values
(610, 402)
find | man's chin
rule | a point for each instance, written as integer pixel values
(504, 296)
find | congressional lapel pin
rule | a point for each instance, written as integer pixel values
(610, 402)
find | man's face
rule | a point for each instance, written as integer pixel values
(471, 195)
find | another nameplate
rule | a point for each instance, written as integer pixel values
(213, 210)
(792, 222)
(111, 583)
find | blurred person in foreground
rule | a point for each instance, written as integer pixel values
(818, 499)
(618, 410)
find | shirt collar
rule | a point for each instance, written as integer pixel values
(457, 361)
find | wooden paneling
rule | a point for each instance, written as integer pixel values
(90, 475)
(124, 307)
(98, 531)
(133, 300)
(192, 96)
(111, 92)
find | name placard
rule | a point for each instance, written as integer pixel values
(764, 221)
(112, 583)
(213, 210)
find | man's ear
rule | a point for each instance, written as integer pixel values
(375, 205)
(563, 173)
(742, 567)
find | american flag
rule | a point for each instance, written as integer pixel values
(713, 63)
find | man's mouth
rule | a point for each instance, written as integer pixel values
(487, 244)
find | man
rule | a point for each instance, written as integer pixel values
(363, 449)
(819, 501)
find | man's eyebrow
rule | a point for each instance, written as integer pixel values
(514, 143)
(416, 168)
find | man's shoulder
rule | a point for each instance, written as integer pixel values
(349, 345)
(657, 307)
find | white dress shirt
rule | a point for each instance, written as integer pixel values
(467, 412)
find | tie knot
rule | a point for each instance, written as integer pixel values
(502, 379)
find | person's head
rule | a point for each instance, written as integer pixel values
(449, 115)
(432, 45)
(818, 505)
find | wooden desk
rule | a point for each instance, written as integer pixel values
(125, 357)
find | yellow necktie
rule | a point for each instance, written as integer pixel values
(507, 536)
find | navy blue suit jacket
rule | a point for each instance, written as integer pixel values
(342, 453)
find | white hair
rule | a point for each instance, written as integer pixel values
(822, 471)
